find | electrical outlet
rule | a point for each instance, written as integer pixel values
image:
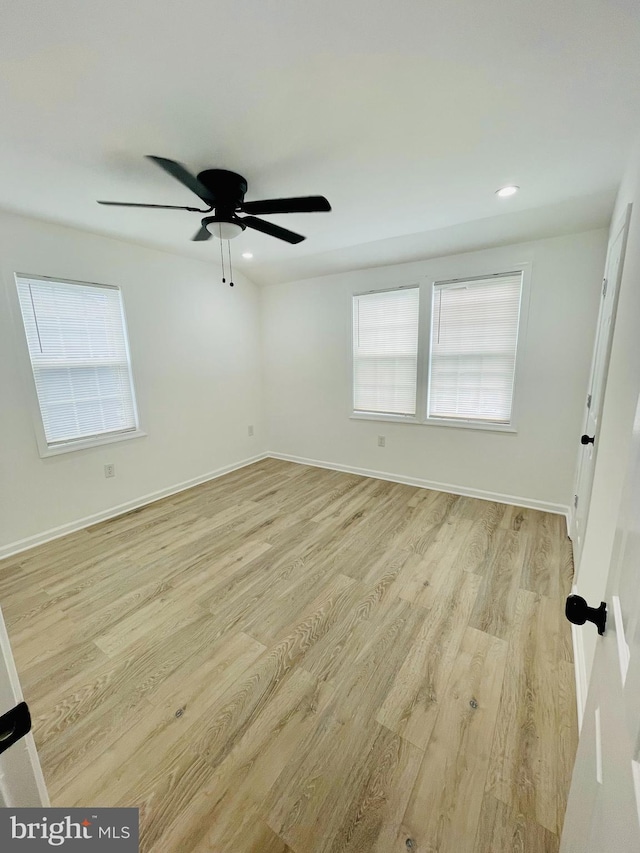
(381, 441)
(250, 429)
(109, 470)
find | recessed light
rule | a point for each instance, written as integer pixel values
(505, 192)
(247, 255)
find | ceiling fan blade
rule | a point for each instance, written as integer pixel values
(180, 173)
(164, 206)
(202, 234)
(272, 230)
(303, 204)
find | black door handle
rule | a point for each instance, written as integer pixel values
(14, 725)
(587, 439)
(578, 611)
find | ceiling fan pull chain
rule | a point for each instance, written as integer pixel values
(221, 253)
(230, 266)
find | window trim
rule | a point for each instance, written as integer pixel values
(29, 384)
(426, 285)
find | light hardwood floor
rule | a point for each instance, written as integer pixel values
(295, 660)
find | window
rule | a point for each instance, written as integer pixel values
(80, 361)
(385, 351)
(474, 333)
(452, 363)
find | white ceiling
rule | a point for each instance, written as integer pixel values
(407, 115)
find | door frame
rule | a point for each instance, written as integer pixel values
(621, 225)
(21, 779)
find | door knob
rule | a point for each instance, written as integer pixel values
(15, 724)
(587, 439)
(578, 612)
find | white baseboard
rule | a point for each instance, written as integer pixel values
(112, 512)
(56, 532)
(481, 494)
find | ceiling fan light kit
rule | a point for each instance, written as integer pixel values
(223, 229)
(224, 192)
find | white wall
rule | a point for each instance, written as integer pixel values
(195, 348)
(202, 376)
(621, 395)
(307, 338)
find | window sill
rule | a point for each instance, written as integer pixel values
(86, 443)
(380, 416)
(439, 422)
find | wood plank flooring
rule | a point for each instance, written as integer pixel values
(295, 660)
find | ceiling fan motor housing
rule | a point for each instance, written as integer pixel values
(227, 188)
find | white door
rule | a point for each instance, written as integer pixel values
(603, 812)
(597, 381)
(21, 780)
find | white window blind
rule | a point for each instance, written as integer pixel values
(385, 351)
(474, 333)
(79, 355)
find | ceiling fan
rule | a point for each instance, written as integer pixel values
(224, 192)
